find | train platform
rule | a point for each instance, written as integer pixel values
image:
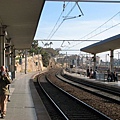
(105, 82)
(25, 103)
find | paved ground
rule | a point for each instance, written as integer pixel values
(23, 104)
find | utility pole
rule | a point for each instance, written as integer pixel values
(25, 61)
(66, 60)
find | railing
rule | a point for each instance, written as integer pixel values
(101, 76)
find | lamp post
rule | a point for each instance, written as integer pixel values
(66, 60)
(76, 63)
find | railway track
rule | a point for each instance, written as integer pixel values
(107, 106)
(70, 107)
(111, 93)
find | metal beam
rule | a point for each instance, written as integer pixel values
(65, 40)
(107, 1)
(70, 50)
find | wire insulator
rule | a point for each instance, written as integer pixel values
(64, 6)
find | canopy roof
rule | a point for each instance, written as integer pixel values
(21, 18)
(111, 43)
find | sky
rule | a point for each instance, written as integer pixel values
(64, 24)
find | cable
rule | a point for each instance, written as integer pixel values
(98, 28)
(104, 30)
(56, 29)
(61, 22)
(55, 24)
(66, 17)
(69, 12)
(101, 25)
(57, 21)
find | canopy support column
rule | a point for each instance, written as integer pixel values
(111, 60)
(13, 62)
(25, 61)
(94, 59)
(2, 46)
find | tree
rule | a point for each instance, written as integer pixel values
(46, 44)
(43, 51)
(34, 47)
(50, 44)
(45, 58)
(34, 44)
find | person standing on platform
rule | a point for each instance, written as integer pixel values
(4, 92)
(91, 73)
(109, 78)
(88, 73)
(115, 76)
(7, 72)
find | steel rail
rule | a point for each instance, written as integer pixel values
(96, 87)
(53, 102)
(99, 114)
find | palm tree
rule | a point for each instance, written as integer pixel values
(34, 44)
(46, 44)
(50, 44)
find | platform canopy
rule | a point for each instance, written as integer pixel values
(108, 44)
(21, 18)
(115, 1)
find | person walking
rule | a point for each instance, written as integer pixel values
(115, 76)
(4, 92)
(8, 74)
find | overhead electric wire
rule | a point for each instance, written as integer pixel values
(101, 25)
(76, 3)
(97, 29)
(104, 30)
(56, 22)
(69, 12)
(61, 23)
(66, 17)
(56, 29)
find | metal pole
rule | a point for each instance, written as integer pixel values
(2, 47)
(13, 62)
(89, 61)
(94, 62)
(76, 64)
(66, 60)
(38, 60)
(25, 61)
(118, 59)
(107, 62)
(111, 60)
